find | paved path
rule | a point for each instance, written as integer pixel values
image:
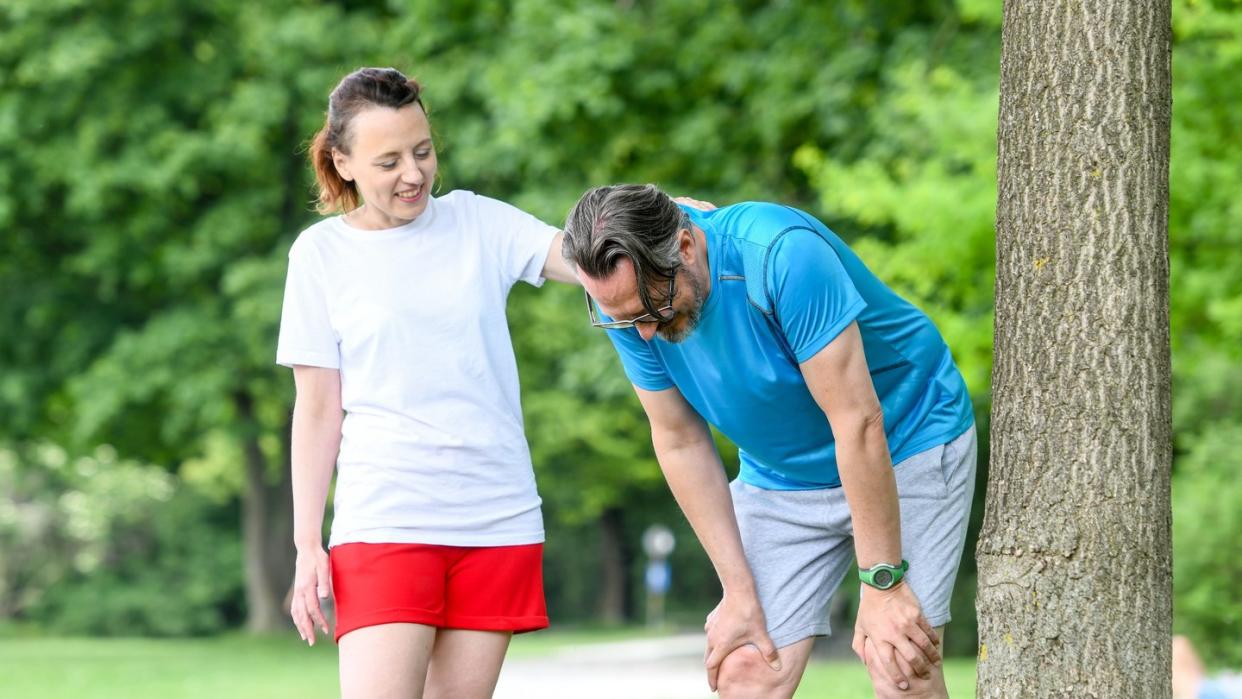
(663, 668)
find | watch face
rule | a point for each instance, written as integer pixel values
(883, 578)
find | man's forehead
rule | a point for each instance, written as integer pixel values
(617, 294)
(616, 287)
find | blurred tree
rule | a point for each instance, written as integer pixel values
(101, 545)
(1206, 316)
(703, 98)
(152, 168)
(919, 199)
(154, 332)
(1075, 588)
(917, 203)
(153, 184)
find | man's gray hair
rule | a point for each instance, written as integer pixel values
(637, 222)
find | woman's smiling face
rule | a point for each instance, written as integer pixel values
(392, 160)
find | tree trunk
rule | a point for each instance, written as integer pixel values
(1075, 595)
(267, 504)
(267, 536)
(614, 567)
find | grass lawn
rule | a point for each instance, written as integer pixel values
(230, 666)
(245, 667)
(848, 679)
(530, 645)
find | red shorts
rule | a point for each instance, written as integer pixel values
(496, 588)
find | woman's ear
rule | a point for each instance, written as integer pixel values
(341, 162)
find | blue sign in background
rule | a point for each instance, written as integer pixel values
(659, 575)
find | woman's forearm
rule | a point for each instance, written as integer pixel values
(315, 443)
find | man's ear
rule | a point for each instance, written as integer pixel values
(686, 242)
(342, 165)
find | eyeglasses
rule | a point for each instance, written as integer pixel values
(661, 315)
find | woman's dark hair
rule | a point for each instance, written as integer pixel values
(360, 90)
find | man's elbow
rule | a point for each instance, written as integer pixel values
(667, 442)
(859, 428)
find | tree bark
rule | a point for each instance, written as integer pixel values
(1075, 580)
(615, 558)
(267, 503)
(267, 537)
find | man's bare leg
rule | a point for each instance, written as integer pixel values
(745, 674)
(931, 687)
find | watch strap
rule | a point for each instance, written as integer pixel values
(884, 576)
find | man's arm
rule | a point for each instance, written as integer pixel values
(691, 465)
(838, 379)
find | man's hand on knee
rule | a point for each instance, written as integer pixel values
(905, 643)
(908, 684)
(734, 624)
(745, 674)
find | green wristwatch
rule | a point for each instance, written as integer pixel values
(883, 576)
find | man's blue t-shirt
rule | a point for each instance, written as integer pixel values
(783, 287)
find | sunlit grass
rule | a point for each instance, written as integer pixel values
(848, 679)
(543, 642)
(243, 667)
(228, 666)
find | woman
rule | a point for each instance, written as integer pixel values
(394, 314)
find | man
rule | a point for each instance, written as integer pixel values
(758, 319)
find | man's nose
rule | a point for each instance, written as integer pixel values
(647, 331)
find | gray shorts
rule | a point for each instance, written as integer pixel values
(800, 543)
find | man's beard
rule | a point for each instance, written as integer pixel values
(691, 317)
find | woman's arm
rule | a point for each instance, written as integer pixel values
(556, 268)
(316, 440)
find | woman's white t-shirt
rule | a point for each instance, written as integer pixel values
(432, 447)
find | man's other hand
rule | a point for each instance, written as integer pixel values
(894, 623)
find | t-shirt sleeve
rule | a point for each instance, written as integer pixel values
(639, 361)
(306, 334)
(520, 240)
(814, 297)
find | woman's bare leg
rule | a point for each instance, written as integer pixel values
(388, 661)
(466, 664)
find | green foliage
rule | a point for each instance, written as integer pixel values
(153, 181)
(924, 196)
(98, 545)
(178, 574)
(920, 199)
(146, 175)
(1207, 519)
(1205, 256)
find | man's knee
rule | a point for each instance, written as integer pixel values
(744, 673)
(931, 687)
(920, 688)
